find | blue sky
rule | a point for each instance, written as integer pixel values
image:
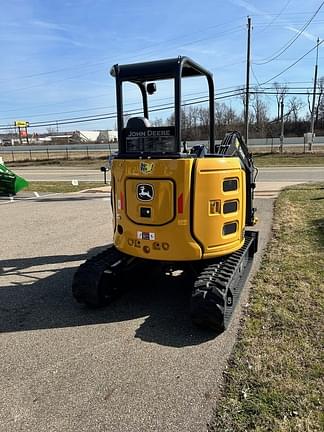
(56, 55)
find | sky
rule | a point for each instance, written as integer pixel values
(56, 55)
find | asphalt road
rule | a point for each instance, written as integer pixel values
(137, 366)
(295, 174)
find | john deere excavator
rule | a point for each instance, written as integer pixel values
(175, 208)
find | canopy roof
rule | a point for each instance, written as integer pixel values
(158, 70)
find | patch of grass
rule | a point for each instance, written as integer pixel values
(274, 381)
(91, 162)
(288, 159)
(61, 187)
(261, 160)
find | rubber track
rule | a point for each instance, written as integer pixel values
(218, 287)
(89, 286)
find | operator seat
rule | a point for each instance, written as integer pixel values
(138, 123)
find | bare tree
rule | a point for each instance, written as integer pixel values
(192, 121)
(157, 122)
(260, 110)
(320, 91)
(281, 91)
(318, 96)
(294, 106)
(320, 108)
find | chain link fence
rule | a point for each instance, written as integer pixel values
(91, 151)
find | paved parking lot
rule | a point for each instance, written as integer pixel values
(138, 365)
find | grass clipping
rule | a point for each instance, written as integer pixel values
(274, 381)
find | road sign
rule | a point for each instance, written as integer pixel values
(21, 123)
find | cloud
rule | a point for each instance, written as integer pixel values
(249, 7)
(40, 39)
(306, 34)
(48, 25)
(200, 50)
(39, 32)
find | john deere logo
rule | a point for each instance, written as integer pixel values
(145, 192)
(146, 167)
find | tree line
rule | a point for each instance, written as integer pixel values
(296, 116)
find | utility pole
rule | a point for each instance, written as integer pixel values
(247, 87)
(282, 124)
(313, 103)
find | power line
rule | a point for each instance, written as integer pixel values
(287, 93)
(222, 95)
(255, 77)
(128, 104)
(285, 23)
(293, 64)
(227, 93)
(154, 109)
(91, 65)
(290, 14)
(113, 114)
(100, 96)
(292, 41)
(275, 17)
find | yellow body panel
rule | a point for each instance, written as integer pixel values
(208, 222)
(160, 212)
(174, 209)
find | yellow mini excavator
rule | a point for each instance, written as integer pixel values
(173, 207)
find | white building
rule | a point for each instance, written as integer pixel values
(108, 136)
(95, 136)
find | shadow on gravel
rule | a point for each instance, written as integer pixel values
(34, 302)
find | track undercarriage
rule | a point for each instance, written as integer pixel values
(216, 284)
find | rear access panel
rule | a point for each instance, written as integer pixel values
(150, 201)
(219, 205)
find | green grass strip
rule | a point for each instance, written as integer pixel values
(261, 160)
(274, 381)
(288, 159)
(61, 186)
